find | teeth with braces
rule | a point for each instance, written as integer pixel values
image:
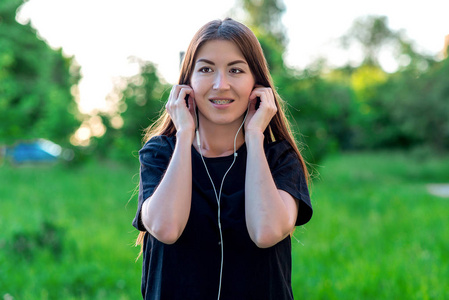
(221, 102)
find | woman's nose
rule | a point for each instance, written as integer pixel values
(221, 81)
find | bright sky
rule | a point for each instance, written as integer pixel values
(102, 34)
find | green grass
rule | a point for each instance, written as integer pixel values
(66, 232)
(376, 233)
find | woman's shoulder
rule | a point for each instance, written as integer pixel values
(277, 149)
(159, 143)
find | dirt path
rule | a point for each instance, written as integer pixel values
(440, 190)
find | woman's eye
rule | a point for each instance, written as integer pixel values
(236, 71)
(205, 70)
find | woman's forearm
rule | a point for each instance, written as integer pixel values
(166, 212)
(270, 213)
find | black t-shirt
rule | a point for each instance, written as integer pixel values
(190, 268)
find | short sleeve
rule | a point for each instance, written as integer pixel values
(154, 158)
(288, 176)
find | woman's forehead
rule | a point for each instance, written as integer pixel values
(218, 50)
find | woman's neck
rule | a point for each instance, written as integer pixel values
(218, 140)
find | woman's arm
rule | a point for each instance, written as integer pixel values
(166, 212)
(270, 213)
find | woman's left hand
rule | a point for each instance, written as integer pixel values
(258, 120)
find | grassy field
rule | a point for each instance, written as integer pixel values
(376, 233)
(66, 232)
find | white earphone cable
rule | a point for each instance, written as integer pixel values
(218, 196)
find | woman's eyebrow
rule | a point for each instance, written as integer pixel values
(239, 61)
(209, 62)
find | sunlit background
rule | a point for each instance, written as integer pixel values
(102, 34)
(366, 87)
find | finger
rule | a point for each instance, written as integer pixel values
(185, 96)
(258, 90)
(261, 94)
(253, 95)
(169, 100)
(267, 102)
(174, 93)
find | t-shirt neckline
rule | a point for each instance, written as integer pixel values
(239, 151)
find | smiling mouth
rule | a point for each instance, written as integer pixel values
(221, 101)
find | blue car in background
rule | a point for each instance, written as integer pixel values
(35, 151)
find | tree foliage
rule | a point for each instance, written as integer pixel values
(406, 109)
(264, 17)
(140, 100)
(35, 84)
(316, 121)
(413, 111)
(332, 109)
(372, 34)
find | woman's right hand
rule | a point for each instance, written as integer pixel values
(166, 212)
(181, 115)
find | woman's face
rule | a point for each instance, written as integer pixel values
(222, 82)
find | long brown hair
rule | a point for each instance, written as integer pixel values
(231, 30)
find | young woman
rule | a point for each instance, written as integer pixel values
(222, 183)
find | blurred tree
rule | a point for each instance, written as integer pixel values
(264, 19)
(321, 107)
(139, 100)
(35, 84)
(264, 16)
(364, 82)
(372, 34)
(314, 105)
(405, 109)
(418, 108)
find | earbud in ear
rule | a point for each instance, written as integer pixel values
(257, 102)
